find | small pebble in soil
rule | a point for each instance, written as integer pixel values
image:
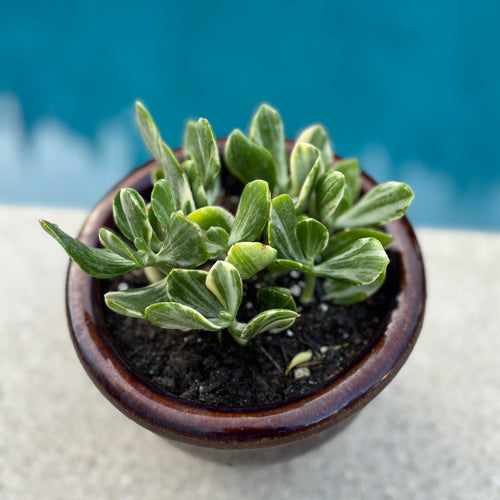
(295, 274)
(296, 291)
(289, 333)
(301, 372)
(122, 286)
(323, 307)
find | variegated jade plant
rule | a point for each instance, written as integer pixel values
(300, 212)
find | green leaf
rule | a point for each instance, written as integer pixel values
(188, 287)
(309, 185)
(267, 131)
(167, 159)
(248, 161)
(163, 201)
(206, 217)
(343, 239)
(250, 258)
(184, 245)
(298, 359)
(273, 319)
(275, 297)
(252, 214)
(352, 174)
(287, 264)
(385, 202)
(120, 217)
(302, 160)
(329, 192)
(359, 263)
(209, 152)
(341, 292)
(317, 136)
(135, 212)
(114, 243)
(176, 316)
(133, 302)
(195, 183)
(281, 229)
(224, 282)
(313, 237)
(97, 262)
(191, 144)
(219, 236)
(156, 175)
(158, 234)
(148, 129)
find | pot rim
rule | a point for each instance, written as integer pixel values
(241, 427)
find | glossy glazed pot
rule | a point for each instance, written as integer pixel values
(301, 422)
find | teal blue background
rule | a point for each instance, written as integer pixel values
(410, 87)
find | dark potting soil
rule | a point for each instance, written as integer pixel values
(196, 366)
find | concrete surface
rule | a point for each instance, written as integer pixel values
(434, 433)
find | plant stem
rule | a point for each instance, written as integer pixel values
(307, 294)
(153, 274)
(235, 330)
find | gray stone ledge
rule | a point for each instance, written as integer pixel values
(434, 433)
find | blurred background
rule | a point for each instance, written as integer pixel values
(411, 88)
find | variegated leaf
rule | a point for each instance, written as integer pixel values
(359, 263)
(313, 237)
(289, 265)
(175, 316)
(191, 144)
(209, 152)
(219, 236)
(224, 281)
(187, 286)
(273, 319)
(206, 217)
(345, 238)
(120, 217)
(329, 192)
(308, 188)
(133, 302)
(97, 262)
(341, 292)
(148, 129)
(135, 212)
(184, 245)
(281, 229)
(302, 160)
(317, 136)
(252, 214)
(163, 201)
(352, 174)
(195, 183)
(158, 234)
(275, 297)
(248, 161)
(383, 203)
(113, 242)
(267, 130)
(167, 159)
(250, 257)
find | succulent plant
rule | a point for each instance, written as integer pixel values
(300, 212)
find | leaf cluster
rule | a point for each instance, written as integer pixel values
(299, 212)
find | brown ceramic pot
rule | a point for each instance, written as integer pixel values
(219, 432)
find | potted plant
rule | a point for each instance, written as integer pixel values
(225, 243)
